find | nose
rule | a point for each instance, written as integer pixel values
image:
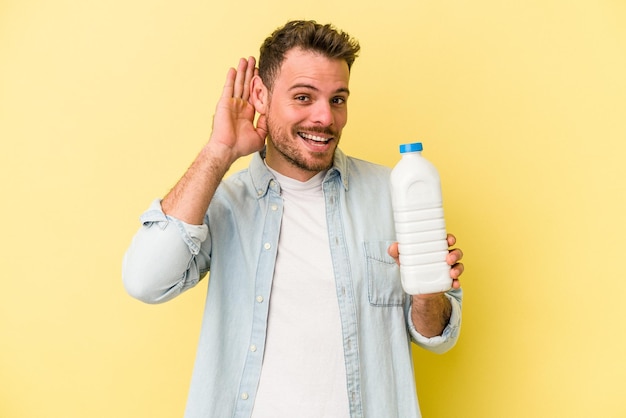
(323, 114)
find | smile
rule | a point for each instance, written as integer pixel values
(314, 138)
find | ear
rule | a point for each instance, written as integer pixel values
(259, 95)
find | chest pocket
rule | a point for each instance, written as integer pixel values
(383, 275)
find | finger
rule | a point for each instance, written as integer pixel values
(454, 257)
(451, 240)
(457, 270)
(227, 92)
(239, 78)
(393, 250)
(250, 71)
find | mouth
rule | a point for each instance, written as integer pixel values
(314, 139)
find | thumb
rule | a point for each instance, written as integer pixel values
(393, 252)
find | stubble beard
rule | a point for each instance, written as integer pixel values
(287, 147)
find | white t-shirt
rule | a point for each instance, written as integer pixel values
(303, 371)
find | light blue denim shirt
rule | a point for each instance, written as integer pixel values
(238, 243)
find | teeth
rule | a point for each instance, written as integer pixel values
(313, 137)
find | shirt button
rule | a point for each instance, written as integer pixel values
(267, 246)
(253, 348)
(259, 298)
(259, 192)
(274, 207)
(244, 396)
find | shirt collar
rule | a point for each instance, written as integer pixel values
(263, 180)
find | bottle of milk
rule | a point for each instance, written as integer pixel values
(419, 221)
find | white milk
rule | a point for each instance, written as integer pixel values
(420, 225)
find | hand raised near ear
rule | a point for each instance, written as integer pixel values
(233, 122)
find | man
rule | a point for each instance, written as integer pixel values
(305, 314)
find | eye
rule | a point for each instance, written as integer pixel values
(338, 100)
(302, 98)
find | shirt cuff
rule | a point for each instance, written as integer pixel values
(450, 334)
(192, 235)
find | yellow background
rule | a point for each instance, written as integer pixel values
(521, 105)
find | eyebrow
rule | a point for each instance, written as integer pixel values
(311, 87)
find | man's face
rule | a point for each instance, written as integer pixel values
(306, 113)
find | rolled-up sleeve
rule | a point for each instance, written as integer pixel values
(448, 338)
(165, 258)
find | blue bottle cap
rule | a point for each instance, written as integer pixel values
(413, 147)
